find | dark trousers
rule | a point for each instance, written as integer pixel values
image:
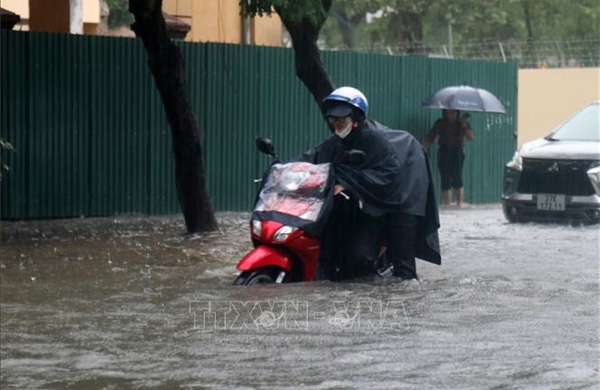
(450, 165)
(402, 230)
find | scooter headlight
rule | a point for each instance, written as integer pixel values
(283, 233)
(256, 227)
(516, 163)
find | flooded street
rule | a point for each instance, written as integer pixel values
(127, 303)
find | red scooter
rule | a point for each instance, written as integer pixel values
(291, 210)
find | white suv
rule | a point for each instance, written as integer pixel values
(557, 177)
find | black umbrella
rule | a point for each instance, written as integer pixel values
(465, 98)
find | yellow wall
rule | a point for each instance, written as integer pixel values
(19, 7)
(91, 11)
(268, 31)
(220, 21)
(548, 97)
(211, 20)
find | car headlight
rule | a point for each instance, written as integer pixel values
(594, 175)
(516, 163)
(256, 227)
(283, 233)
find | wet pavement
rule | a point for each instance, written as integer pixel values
(128, 303)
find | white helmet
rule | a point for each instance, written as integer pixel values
(350, 96)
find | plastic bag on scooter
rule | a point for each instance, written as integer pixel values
(297, 194)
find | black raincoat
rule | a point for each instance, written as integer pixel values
(395, 177)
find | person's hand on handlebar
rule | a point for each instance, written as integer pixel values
(339, 190)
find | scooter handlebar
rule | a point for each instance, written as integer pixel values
(344, 195)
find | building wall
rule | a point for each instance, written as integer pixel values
(52, 16)
(548, 97)
(268, 31)
(17, 6)
(211, 20)
(220, 21)
(20, 8)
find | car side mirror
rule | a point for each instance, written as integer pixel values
(265, 145)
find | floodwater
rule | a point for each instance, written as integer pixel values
(127, 303)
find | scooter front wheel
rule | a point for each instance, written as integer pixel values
(263, 275)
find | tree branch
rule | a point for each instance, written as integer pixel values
(309, 67)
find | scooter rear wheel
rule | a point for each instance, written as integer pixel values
(264, 275)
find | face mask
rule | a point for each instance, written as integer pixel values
(344, 133)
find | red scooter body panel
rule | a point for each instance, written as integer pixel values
(263, 256)
(307, 248)
(267, 253)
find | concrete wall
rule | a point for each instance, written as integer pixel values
(548, 97)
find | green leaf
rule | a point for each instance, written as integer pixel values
(294, 10)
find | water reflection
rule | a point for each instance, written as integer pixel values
(121, 303)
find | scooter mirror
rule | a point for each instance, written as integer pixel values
(265, 145)
(354, 156)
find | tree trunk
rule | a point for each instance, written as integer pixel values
(166, 65)
(399, 31)
(347, 33)
(414, 25)
(409, 31)
(347, 25)
(309, 67)
(529, 29)
(527, 15)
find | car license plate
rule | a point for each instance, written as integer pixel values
(551, 202)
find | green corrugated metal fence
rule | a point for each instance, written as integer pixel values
(93, 140)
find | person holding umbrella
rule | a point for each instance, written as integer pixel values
(451, 130)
